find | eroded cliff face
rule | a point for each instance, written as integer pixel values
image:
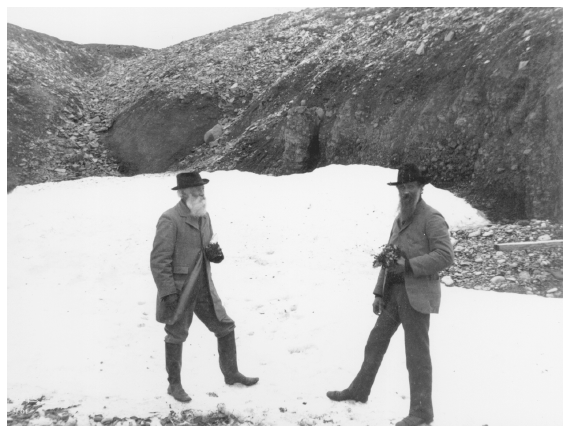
(472, 95)
(480, 105)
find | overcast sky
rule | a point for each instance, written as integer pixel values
(160, 27)
(149, 27)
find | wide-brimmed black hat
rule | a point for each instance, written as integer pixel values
(410, 173)
(188, 180)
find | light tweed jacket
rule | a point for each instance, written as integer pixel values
(425, 241)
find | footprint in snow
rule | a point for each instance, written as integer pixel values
(300, 349)
(259, 261)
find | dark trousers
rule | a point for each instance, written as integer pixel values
(203, 306)
(418, 361)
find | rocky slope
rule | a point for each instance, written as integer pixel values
(474, 95)
(479, 266)
(54, 119)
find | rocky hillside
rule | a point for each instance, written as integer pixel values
(54, 115)
(474, 95)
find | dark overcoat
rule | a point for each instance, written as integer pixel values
(178, 261)
(425, 241)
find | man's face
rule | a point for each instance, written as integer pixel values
(196, 191)
(196, 200)
(409, 193)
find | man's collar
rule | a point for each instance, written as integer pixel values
(183, 209)
(185, 212)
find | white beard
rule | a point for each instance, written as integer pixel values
(197, 206)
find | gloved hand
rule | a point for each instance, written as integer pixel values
(218, 258)
(377, 305)
(214, 253)
(171, 301)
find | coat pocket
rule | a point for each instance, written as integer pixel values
(180, 273)
(180, 270)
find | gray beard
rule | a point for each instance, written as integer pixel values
(197, 206)
(406, 210)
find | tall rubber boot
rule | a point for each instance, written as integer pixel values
(173, 367)
(228, 362)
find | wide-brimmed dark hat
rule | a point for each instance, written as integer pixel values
(410, 173)
(188, 180)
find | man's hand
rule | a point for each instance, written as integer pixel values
(400, 266)
(214, 253)
(377, 305)
(171, 301)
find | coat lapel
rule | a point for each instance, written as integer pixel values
(185, 213)
(193, 221)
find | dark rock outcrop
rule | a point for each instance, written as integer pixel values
(471, 109)
(299, 138)
(158, 131)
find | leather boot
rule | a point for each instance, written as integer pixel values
(344, 395)
(173, 367)
(228, 362)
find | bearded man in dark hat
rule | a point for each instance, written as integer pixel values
(407, 293)
(180, 264)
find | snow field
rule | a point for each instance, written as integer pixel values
(298, 281)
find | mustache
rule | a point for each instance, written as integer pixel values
(193, 198)
(196, 201)
(197, 206)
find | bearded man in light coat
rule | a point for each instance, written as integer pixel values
(407, 294)
(180, 265)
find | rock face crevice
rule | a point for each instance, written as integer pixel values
(314, 151)
(300, 140)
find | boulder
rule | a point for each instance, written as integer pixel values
(449, 36)
(524, 276)
(421, 49)
(159, 131)
(498, 279)
(475, 233)
(213, 134)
